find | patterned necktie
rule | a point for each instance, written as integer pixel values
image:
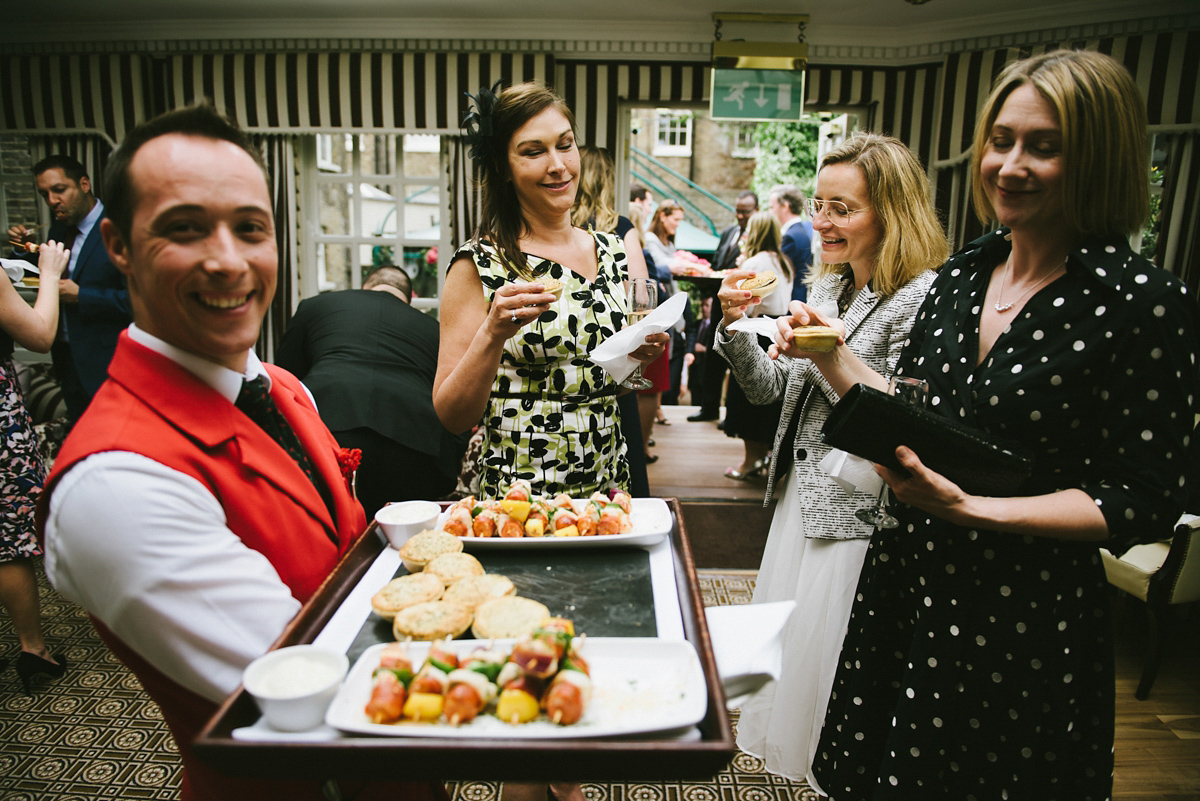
(259, 406)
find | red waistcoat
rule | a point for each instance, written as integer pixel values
(152, 406)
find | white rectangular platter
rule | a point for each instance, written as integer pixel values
(651, 519)
(641, 685)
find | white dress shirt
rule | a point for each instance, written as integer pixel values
(146, 550)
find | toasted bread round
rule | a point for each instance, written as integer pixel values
(406, 591)
(552, 285)
(452, 567)
(510, 616)
(760, 284)
(474, 590)
(818, 338)
(422, 548)
(431, 620)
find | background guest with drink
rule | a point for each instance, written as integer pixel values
(512, 353)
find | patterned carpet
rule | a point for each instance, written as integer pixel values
(95, 735)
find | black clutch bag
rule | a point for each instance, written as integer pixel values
(871, 424)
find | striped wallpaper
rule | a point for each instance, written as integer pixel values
(931, 106)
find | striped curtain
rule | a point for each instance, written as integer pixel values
(279, 154)
(898, 101)
(100, 93)
(1178, 246)
(372, 91)
(464, 190)
(595, 89)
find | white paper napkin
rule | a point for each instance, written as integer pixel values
(747, 642)
(15, 268)
(613, 353)
(763, 326)
(852, 472)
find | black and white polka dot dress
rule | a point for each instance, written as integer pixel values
(978, 665)
(552, 415)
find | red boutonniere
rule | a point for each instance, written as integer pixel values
(348, 460)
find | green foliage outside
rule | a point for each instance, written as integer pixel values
(1154, 221)
(787, 154)
(419, 263)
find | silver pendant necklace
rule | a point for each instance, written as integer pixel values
(1003, 307)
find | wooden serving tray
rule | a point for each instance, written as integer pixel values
(646, 758)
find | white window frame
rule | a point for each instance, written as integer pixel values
(316, 174)
(678, 121)
(741, 140)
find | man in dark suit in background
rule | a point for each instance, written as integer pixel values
(724, 258)
(369, 358)
(787, 204)
(94, 301)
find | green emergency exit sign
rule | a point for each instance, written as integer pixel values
(751, 94)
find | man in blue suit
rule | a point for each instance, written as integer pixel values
(787, 204)
(94, 301)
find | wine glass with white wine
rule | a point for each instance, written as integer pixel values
(642, 296)
(914, 391)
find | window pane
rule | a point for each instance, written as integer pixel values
(335, 209)
(378, 210)
(337, 260)
(422, 212)
(422, 163)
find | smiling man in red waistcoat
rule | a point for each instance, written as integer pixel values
(190, 530)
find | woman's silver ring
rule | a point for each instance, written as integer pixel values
(514, 317)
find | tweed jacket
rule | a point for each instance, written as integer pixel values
(876, 330)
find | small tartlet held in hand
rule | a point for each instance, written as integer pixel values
(816, 338)
(552, 285)
(760, 284)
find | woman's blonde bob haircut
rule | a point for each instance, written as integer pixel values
(1105, 186)
(594, 200)
(913, 240)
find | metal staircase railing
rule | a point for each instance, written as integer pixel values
(658, 178)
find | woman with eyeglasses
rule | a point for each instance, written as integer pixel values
(880, 243)
(978, 661)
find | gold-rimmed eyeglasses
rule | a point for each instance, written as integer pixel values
(836, 211)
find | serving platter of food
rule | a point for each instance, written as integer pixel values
(523, 520)
(523, 689)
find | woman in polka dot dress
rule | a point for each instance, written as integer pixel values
(512, 354)
(978, 662)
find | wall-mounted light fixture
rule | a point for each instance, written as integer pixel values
(758, 80)
(741, 54)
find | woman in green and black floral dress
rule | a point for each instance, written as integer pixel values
(514, 356)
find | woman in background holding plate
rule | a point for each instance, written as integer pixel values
(979, 660)
(512, 353)
(880, 243)
(755, 424)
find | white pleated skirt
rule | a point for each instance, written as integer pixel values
(782, 723)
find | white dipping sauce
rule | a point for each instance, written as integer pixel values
(406, 512)
(293, 676)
